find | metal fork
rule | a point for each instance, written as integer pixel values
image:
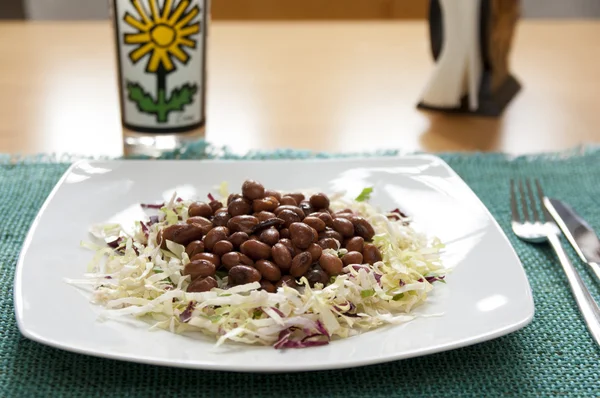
(541, 229)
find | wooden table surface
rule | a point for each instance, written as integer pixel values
(333, 86)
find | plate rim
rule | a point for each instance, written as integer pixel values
(194, 364)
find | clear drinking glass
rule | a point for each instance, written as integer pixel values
(161, 60)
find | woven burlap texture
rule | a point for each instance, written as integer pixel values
(552, 356)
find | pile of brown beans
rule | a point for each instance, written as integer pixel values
(264, 236)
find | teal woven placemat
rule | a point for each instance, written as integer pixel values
(554, 355)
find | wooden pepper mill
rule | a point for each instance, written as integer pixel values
(471, 42)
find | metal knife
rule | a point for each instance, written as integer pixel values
(581, 236)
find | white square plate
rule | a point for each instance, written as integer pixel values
(486, 296)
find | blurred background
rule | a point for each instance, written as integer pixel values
(322, 75)
(290, 9)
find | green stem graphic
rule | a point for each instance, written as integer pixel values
(162, 110)
(161, 101)
(165, 102)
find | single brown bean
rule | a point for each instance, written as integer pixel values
(268, 270)
(298, 197)
(194, 247)
(306, 207)
(371, 254)
(328, 243)
(256, 250)
(231, 259)
(317, 276)
(286, 280)
(213, 258)
(246, 260)
(300, 235)
(363, 228)
(204, 223)
(264, 215)
(281, 256)
(315, 223)
(199, 269)
(344, 227)
(237, 238)
(331, 264)
(200, 209)
(315, 251)
(315, 235)
(295, 209)
(271, 222)
(269, 236)
(275, 194)
(199, 285)
(214, 235)
(182, 234)
(352, 258)
(160, 241)
(222, 247)
(239, 207)
(232, 197)
(267, 286)
(319, 201)
(253, 190)
(345, 211)
(330, 233)
(289, 217)
(288, 243)
(325, 217)
(242, 224)
(288, 201)
(300, 264)
(355, 244)
(221, 218)
(242, 274)
(268, 203)
(284, 233)
(215, 205)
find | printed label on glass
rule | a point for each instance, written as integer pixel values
(161, 49)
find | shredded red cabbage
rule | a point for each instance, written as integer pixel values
(186, 315)
(281, 314)
(115, 243)
(144, 228)
(152, 205)
(398, 211)
(322, 329)
(358, 267)
(210, 197)
(309, 340)
(350, 312)
(432, 279)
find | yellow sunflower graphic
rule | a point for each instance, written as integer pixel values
(162, 35)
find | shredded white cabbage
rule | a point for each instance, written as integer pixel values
(142, 280)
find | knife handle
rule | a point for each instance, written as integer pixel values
(586, 303)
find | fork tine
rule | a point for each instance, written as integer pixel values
(536, 216)
(513, 202)
(523, 202)
(540, 192)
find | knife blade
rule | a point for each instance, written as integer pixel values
(578, 232)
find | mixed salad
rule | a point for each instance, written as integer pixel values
(143, 275)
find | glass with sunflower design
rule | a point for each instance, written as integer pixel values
(161, 53)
